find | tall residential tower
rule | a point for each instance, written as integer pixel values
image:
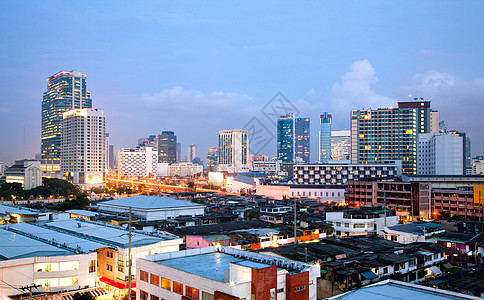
(325, 138)
(233, 149)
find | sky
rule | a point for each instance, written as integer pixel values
(198, 67)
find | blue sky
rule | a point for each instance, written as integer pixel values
(199, 67)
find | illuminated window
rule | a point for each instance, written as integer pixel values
(191, 292)
(155, 279)
(166, 283)
(92, 266)
(143, 275)
(177, 288)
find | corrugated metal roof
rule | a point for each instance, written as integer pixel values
(149, 202)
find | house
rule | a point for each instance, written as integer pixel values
(414, 232)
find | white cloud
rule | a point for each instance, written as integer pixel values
(434, 80)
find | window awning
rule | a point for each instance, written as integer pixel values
(434, 270)
(369, 275)
(95, 293)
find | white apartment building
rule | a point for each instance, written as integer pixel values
(184, 169)
(478, 165)
(340, 173)
(137, 161)
(360, 222)
(440, 154)
(233, 151)
(28, 258)
(320, 192)
(269, 167)
(218, 272)
(83, 147)
(26, 172)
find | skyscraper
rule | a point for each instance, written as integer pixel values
(325, 138)
(212, 159)
(389, 134)
(340, 144)
(285, 138)
(233, 147)
(83, 147)
(167, 147)
(302, 139)
(192, 152)
(65, 91)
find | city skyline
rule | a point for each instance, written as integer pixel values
(180, 67)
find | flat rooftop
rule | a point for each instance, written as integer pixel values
(209, 265)
(4, 209)
(102, 233)
(15, 246)
(149, 202)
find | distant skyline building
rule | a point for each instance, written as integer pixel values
(212, 159)
(340, 144)
(478, 165)
(325, 138)
(256, 157)
(389, 134)
(440, 154)
(65, 91)
(285, 138)
(192, 152)
(302, 139)
(83, 147)
(141, 161)
(233, 151)
(111, 159)
(167, 147)
(179, 152)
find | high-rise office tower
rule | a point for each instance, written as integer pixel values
(233, 148)
(285, 138)
(178, 152)
(83, 147)
(212, 159)
(389, 134)
(111, 159)
(167, 147)
(427, 119)
(301, 139)
(325, 138)
(340, 144)
(65, 91)
(192, 152)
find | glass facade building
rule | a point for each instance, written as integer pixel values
(65, 91)
(285, 138)
(325, 138)
(167, 147)
(302, 139)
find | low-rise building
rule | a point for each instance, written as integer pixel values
(184, 169)
(414, 232)
(360, 221)
(152, 207)
(224, 273)
(321, 193)
(26, 172)
(28, 259)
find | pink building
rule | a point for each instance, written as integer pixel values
(199, 241)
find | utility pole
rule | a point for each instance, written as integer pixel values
(479, 206)
(129, 257)
(385, 207)
(29, 288)
(295, 222)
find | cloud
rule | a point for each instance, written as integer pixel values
(434, 80)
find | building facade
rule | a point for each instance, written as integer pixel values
(341, 173)
(65, 91)
(83, 145)
(140, 162)
(389, 134)
(302, 139)
(325, 138)
(478, 165)
(285, 138)
(340, 145)
(233, 151)
(224, 273)
(185, 169)
(212, 159)
(440, 154)
(26, 172)
(167, 147)
(192, 152)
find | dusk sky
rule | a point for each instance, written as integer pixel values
(197, 67)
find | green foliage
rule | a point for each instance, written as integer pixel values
(80, 202)
(198, 200)
(84, 296)
(253, 214)
(11, 191)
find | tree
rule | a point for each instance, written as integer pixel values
(12, 191)
(84, 296)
